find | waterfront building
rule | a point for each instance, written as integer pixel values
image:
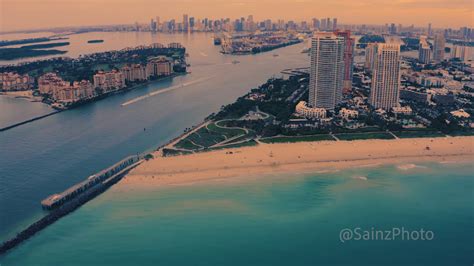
(439, 44)
(159, 66)
(369, 56)
(51, 83)
(386, 76)
(349, 44)
(302, 109)
(62, 91)
(10, 81)
(108, 81)
(175, 45)
(78, 91)
(326, 71)
(135, 72)
(424, 51)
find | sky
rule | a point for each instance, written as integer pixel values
(34, 14)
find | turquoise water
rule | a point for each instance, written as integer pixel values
(275, 220)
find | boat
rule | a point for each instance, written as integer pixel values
(235, 62)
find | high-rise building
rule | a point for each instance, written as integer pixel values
(369, 56)
(429, 29)
(424, 51)
(327, 70)
(323, 24)
(349, 44)
(438, 51)
(386, 76)
(393, 29)
(152, 25)
(334, 24)
(316, 24)
(185, 23)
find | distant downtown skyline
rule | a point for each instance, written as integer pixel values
(34, 14)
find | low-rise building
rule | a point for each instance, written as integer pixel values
(175, 45)
(302, 109)
(460, 114)
(135, 72)
(50, 84)
(108, 81)
(10, 81)
(159, 66)
(62, 91)
(348, 113)
(413, 94)
(404, 110)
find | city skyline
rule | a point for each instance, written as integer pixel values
(31, 14)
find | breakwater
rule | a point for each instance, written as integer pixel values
(29, 121)
(74, 197)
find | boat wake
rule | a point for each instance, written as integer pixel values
(143, 97)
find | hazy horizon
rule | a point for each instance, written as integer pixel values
(37, 14)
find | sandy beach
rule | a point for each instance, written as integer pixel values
(302, 157)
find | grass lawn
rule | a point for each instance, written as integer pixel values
(186, 144)
(210, 135)
(228, 132)
(418, 134)
(290, 139)
(462, 133)
(365, 135)
(237, 145)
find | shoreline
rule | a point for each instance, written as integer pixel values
(79, 104)
(299, 158)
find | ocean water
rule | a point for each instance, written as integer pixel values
(273, 220)
(54, 153)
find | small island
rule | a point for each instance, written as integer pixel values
(66, 83)
(95, 41)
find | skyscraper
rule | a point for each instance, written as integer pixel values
(370, 56)
(349, 44)
(386, 76)
(334, 24)
(439, 43)
(327, 70)
(185, 23)
(424, 51)
(315, 24)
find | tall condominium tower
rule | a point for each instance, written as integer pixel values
(424, 51)
(349, 44)
(370, 56)
(386, 76)
(327, 70)
(439, 43)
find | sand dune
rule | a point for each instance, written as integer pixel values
(296, 157)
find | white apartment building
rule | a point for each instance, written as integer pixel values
(327, 70)
(386, 76)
